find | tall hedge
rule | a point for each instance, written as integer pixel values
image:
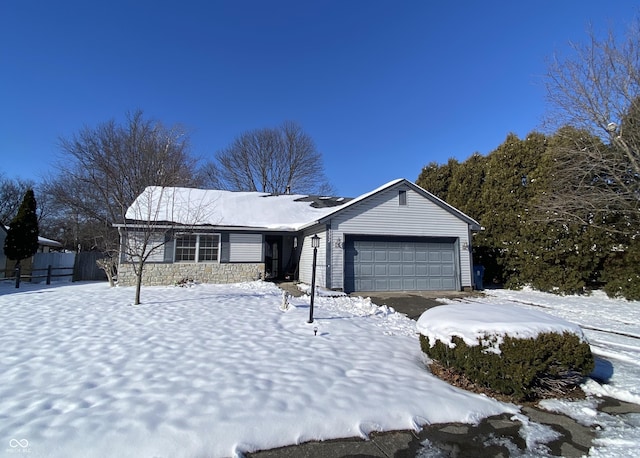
(522, 243)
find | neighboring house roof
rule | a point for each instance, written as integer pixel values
(256, 210)
(48, 242)
(41, 240)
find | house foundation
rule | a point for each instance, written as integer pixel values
(170, 274)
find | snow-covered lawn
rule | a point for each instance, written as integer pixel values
(218, 370)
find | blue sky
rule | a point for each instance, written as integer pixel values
(383, 87)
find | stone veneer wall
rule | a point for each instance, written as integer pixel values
(168, 274)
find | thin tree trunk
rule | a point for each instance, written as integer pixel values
(138, 282)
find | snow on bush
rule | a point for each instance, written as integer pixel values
(522, 353)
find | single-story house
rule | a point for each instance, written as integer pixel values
(398, 237)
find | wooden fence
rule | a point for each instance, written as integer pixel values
(56, 261)
(45, 267)
(86, 269)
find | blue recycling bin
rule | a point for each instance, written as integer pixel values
(478, 275)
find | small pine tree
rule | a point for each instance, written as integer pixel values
(22, 236)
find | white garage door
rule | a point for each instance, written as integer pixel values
(390, 264)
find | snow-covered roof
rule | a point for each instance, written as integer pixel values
(286, 212)
(48, 242)
(188, 206)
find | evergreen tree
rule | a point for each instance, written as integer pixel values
(22, 237)
(465, 189)
(621, 272)
(436, 178)
(557, 256)
(505, 196)
(525, 242)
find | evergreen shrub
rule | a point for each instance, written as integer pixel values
(525, 369)
(622, 273)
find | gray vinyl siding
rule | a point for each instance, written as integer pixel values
(306, 259)
(155, 246)
(245, 248)
(381, 214)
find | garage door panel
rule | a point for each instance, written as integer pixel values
(399, 265)
(380, 270)
(364, 270)
(395, 255)
(364, 255)
(380, 255)
(408, 256)
(447, 256)
(365, 285)
(448, 283)
(395, 270)
(448, 270)
(409, 284)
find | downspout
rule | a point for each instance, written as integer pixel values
(328, 253)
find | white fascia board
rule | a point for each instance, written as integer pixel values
(205, 227)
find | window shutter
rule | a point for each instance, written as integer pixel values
(169, 247)
(224, 247)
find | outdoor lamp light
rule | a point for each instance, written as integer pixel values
(315, 243)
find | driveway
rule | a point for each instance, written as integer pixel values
(412, 303)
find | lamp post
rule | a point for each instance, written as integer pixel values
(315, 243)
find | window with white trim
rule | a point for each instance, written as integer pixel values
(197, 247)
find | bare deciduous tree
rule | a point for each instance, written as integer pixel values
(104, 169)
(11, 194)
(270, 160)
(149, 224)
(596, 93)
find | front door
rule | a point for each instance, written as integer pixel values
(272, 257)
